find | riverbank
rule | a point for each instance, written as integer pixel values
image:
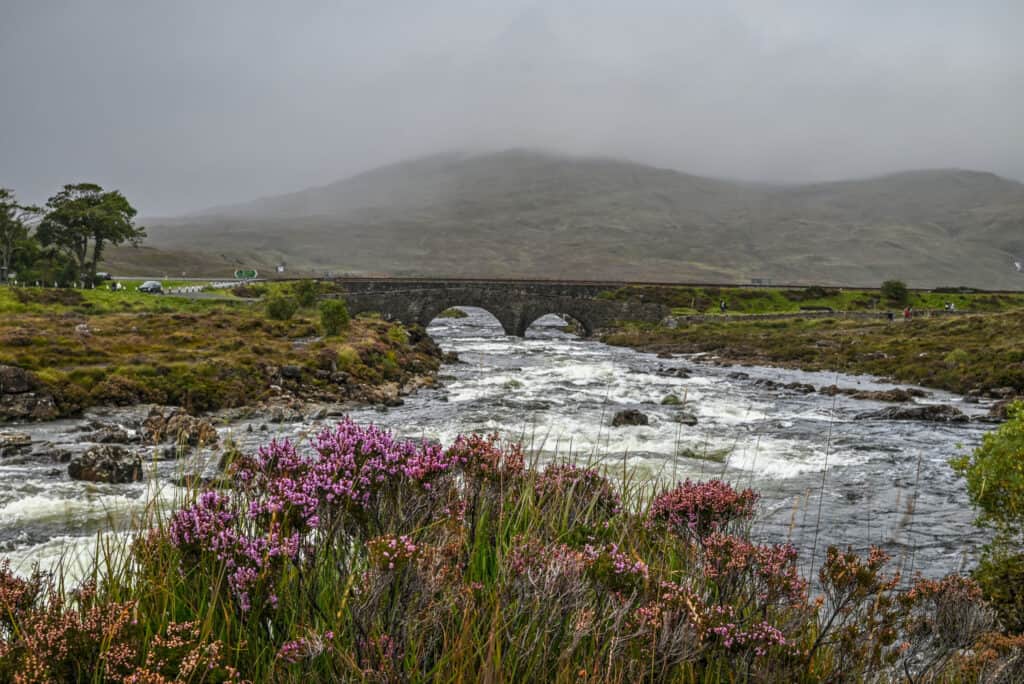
(978, 354)
(63, 351)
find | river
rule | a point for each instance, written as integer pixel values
(824, 477)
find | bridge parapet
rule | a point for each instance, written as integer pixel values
(516, 304)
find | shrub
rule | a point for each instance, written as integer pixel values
(995, 484)
(895, 291)
(281, 307)
(333, 316)
(306, 292)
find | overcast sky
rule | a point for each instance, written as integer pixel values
(193, 103)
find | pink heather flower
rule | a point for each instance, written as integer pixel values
(698, 508)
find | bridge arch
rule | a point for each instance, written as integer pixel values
(584, 324)
(432, 310)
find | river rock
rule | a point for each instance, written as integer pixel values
(291, 372)
(939, 413)
(1000, 409)
(629, 417)
(738, 375)
(671, 400)
(14, 443)
(178, 427)
(112, 434)
(896, 395)
(685, 418)
(106, 463)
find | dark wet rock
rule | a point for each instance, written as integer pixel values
(291, 372)
(738, 375)
(450, 357)
(14, 380)
(106, 463)
(685, 418)
(629, 417)
(1000, 410)
(671, 400)
(14, 443)
(801, 387)
(179, 427)
(1002, 392)
(939, 413)
(664, 355)
(37, 406)
(319, 413)
(54, 472)
(112, 434)
(896, 395)
(673, 372)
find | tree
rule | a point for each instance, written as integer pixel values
(14, 229)
(83, 216)
(895, 291)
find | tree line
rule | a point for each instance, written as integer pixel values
(63, 242)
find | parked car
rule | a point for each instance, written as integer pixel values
(151, 287)
(103, 275)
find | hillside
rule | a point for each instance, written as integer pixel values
(523, 213)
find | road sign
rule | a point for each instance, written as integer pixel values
(246, 273)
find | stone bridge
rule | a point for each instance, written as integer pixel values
(515, 303)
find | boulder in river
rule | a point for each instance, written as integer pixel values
(178, 427)
(1001, 409)
(938, 413)
(112, 434)
(685, 418)
(671, 400)
(629, 417)
(14, 443)
(106, 463)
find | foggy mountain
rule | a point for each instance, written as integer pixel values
(521, 213)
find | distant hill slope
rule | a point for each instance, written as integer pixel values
(524, 213)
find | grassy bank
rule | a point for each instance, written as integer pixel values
(363, 558)
(691, 300)
(959, 354)
(98, 347)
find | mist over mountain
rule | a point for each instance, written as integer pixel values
(523, 213)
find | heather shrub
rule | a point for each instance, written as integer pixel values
(699, 508)
(333, 316)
